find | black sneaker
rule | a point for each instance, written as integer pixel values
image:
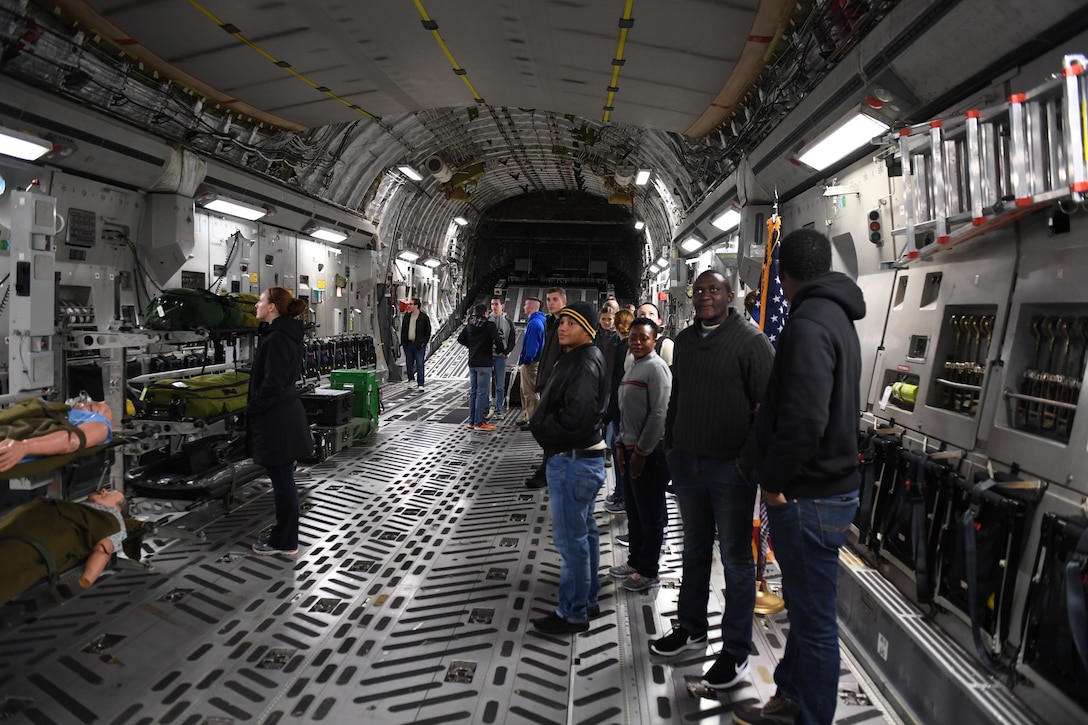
(726, 672)
(534, 482)
(593, 611)
(554, 624)
(676, 642)
(623, 539)
(777, 711)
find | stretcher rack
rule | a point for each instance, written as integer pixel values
(968, 174)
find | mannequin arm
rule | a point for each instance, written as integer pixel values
(96, 562)
(52, 444)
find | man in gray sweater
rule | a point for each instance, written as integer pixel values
(506, 329)
(720, 371)
(640, 456)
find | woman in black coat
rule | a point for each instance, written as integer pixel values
(277, 431)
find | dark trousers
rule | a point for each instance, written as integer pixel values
(284, 535)
(644, 499)
(716, 502)
(414, 358)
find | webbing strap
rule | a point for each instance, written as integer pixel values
(47, 558)
(867, 460)
(918, 537)
(1075, 608)
(970, 550)
(222, 454)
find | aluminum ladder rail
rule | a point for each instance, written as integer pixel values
(970, 173)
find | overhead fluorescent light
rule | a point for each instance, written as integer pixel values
(460, 221)
(408, 255)
(233, 207)
(728, 220)
(329, 235)
(23, 145)
(639, 225)
(432, 262)
(642, 177)
(692, 243)
(841, 140)
(410, 172)
(662, 262)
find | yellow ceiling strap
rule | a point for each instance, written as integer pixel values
(432, 25)
(234, 31)
(626, 22)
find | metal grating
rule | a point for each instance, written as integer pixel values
(423, 557)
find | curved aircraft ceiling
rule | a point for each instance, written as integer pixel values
(504, 99)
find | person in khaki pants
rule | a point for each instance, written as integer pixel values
(532, 345)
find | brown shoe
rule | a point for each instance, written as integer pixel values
(777, 711)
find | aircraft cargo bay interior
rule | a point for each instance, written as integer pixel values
(543, 361)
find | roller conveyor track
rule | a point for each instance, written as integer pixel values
(423, 557)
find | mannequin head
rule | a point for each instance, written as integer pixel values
(108, 497)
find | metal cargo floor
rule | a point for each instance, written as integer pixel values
(423, 557)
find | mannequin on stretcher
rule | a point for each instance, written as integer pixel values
(46, 537)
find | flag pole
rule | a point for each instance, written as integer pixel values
(766, 602)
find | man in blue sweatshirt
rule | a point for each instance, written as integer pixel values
(532, 344)
(806, 436)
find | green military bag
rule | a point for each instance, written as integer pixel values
(199, 397)
(192, 309)
(247, 305)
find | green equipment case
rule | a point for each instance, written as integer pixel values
(199, 397)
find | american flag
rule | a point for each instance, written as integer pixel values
(771, 317)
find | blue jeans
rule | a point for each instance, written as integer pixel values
(572, 495)
(714, 494)
(479, 388)
(284, 535)
(499, 366)
(807, 534)
(414, 357)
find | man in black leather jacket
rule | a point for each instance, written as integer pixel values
(567, 425)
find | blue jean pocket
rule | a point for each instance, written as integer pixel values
(587, 482)
(835, 516)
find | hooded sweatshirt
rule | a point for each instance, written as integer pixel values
(532, 341)
(482, 339)
(806, 428)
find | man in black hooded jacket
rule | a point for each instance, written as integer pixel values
(806, 436)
